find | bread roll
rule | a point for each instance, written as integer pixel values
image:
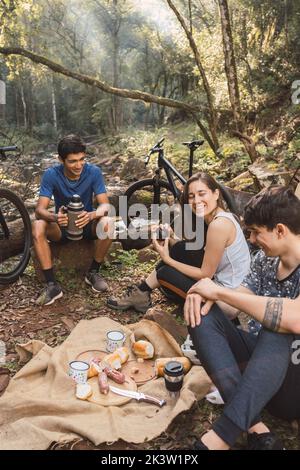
(161, 362)
(83, 391)
(93, 370)
(117, 358)
(123, 353)
(113, 360)
(143, 349)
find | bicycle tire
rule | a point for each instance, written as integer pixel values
(138, 185)
(11, 276)
(133, 188)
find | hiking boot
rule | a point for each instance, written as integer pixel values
(96, 281)
(133, 298)
(264, 441)
(50, 293)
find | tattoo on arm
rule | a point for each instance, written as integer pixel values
(273, 314)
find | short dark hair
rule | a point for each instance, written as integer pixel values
(70, 144)
(272, 206)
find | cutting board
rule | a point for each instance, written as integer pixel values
(111, 399)
(146, 370)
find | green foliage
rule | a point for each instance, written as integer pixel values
(131, 45)
(126, 263)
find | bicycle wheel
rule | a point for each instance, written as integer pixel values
(147, 193)
(15, 237)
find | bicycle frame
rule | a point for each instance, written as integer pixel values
(167, 166)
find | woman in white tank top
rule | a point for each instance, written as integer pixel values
(224, 258)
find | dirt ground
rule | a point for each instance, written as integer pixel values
(22, 320)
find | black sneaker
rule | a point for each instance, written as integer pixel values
(264, 441)
(50, 293)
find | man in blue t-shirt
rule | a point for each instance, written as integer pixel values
(72, 176)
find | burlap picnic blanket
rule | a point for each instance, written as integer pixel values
(39, 406)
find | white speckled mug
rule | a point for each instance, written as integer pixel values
(114, 340)
(79, 371)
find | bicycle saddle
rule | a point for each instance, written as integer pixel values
(194, 144)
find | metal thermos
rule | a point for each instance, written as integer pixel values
(173, 374)
(74, 208)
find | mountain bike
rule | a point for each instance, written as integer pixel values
(15, 232)
(157, 190)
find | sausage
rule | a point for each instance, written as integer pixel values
(115, 375)
(103, 383)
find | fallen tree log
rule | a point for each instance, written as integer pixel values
(15, 244)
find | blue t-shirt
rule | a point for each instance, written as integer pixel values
(90, 184)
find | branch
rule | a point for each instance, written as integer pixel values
(195, 50)
(87, 80)
(242, 136)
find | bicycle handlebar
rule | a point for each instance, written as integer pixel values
(158, 147)
(154, 149)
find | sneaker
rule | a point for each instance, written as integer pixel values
(264, 441)
(188, 350)
(96, 281)
(50, 293)
(133, 298)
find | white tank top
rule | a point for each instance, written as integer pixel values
(235, 262)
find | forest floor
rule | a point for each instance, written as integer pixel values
(22, 320)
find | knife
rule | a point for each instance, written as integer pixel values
(137, 396)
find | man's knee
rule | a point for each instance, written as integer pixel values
(39, 229)
(213, 319)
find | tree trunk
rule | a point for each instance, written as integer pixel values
(53, 102)
(161, 111)
(230, 65)
(24, 106)
(117, 105)
(30, 105)
(213, 119)
(232, 81)
(116, 112)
